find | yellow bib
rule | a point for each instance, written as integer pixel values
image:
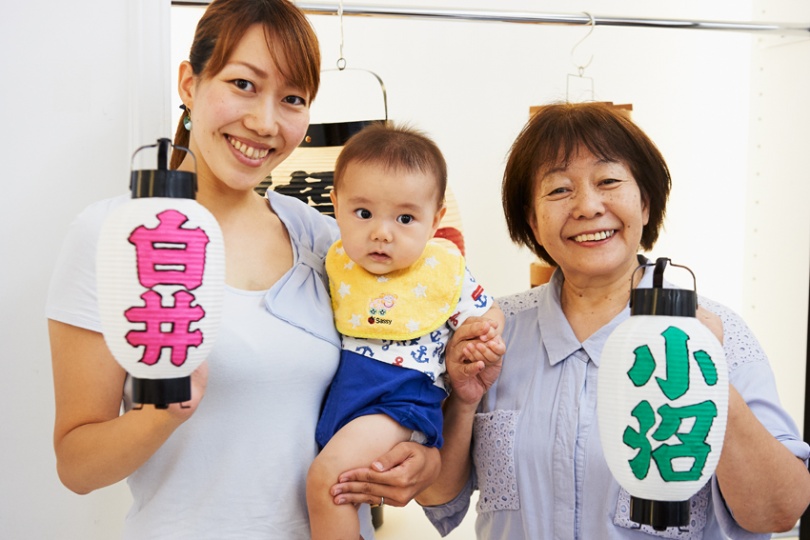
(400, 305)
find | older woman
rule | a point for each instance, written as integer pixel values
(585, 188)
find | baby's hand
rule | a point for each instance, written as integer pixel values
(489, 348)
(474, 358)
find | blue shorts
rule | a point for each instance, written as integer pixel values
(364, 386)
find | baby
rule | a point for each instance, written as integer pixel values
(398, 294)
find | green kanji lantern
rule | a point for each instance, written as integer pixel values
(662, 402)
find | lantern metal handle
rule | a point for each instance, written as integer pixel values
(163, 145)
(659, 300)
(162, 182)
(658, 273)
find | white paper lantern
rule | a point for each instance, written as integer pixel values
(662, 403)
(160, 278)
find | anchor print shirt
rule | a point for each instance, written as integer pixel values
(425, 353)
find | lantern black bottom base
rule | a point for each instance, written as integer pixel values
(659, 514)
(161, 392)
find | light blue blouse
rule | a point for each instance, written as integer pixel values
(538, 461)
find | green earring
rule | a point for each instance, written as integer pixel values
(187, 121)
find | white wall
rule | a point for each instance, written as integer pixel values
(777, 228)
(70, 82)
(71, 85)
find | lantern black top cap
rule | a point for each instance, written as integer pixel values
(659, 300)
(162, 182)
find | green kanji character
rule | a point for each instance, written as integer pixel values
(640, 464)
(693, 445)
(675, 385)
(676, 382)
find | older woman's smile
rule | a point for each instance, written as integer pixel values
(594, 237)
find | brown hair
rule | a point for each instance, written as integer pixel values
(395, 147)
(551, 138)
(290, 38)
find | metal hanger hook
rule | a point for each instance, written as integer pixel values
(341, 62)
(581, 67)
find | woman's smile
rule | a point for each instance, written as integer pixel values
(247, 155)
(251, 151)
(593, 237)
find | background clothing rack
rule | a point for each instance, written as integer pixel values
(550, 18)
(526, 17)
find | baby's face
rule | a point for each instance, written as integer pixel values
(386, 216)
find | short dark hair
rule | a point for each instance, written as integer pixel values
(551, 138)
(396, 147)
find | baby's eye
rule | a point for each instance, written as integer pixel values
(243, 84)
(405, 219)
(362, 213)
(295, 100)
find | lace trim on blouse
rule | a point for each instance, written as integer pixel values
(494, 453)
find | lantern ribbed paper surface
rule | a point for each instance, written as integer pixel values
(160, 272)
(160, 276)
(662, 399)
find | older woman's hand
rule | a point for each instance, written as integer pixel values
(474, 357)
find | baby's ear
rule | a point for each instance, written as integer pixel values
(437, 219)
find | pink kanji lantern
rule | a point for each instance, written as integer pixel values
(662, 403)
(160, 276)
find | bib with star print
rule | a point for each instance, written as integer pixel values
(400, 305)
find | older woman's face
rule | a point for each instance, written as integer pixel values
(589, 216)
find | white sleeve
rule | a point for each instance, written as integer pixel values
(474, 301)
(72, 292)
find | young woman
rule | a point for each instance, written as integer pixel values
(232, 462)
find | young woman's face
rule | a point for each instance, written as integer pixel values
(247, 118)
(589, 216)
(386, 216)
